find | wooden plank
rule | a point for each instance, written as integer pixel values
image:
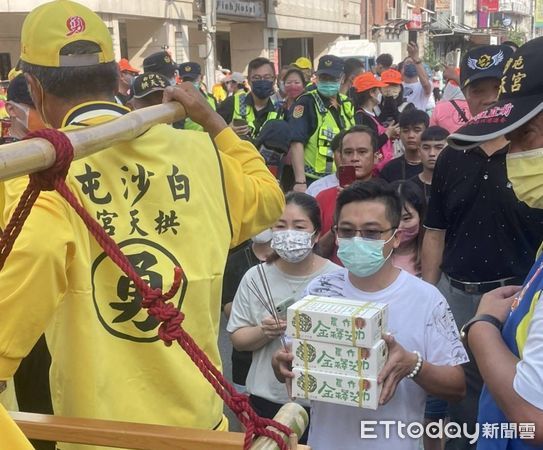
(127, 435)
(123, 434)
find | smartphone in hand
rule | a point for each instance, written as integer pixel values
(239, 122)
(346, 175)
(282, 306)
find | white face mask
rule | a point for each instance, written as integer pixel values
(379, 98)
(292, 246)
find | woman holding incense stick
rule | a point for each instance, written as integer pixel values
(257, 322)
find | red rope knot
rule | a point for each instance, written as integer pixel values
(170, 317)
(240, 403)
(46, 180)
(254, 424)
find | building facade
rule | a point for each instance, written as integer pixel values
(137, 28)
(281, 30)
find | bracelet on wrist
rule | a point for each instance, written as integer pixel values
(418, 61)
(300, 182)
(417, 367)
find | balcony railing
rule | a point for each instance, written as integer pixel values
(515, 6)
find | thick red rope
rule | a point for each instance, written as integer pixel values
(154, 300)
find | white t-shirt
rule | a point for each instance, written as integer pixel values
(529, 377)
(420, 319)
(321, 184)
(247, 311)
(414, 93)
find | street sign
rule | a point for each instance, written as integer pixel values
(443, 5)
(254, 9)
(416, 20)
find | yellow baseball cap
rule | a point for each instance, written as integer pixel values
(51, 26)
(303, 63)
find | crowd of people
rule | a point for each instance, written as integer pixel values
(386, 185)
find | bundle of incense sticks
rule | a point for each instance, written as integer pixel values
(263, 294)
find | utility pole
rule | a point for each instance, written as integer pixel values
(210, 29)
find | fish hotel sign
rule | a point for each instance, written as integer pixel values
(241, 8)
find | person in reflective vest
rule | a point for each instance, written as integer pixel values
(192, 72)
(247, 113)
(317, 116)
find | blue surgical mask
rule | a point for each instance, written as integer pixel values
(362, 257)
(328, 88)
(410, 70)
(196, 84)
(262, 88)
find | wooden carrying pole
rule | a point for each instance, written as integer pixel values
(33, 155)
(149, 437)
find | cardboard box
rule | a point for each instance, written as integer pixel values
(335, 358)
(337, 320)
(333, 388)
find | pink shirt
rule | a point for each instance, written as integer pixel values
(445, 115)
(405, 262)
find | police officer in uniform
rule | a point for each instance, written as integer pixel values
(247, 113)
(317, 116)
(192, 72)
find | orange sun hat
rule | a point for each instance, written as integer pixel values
(366, 81)
(391, 76)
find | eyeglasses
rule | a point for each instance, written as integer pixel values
(260, 78)
(349, 233)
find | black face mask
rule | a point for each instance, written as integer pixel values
(262, 88)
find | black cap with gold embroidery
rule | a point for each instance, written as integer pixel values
(330, 65)
(160, 62)
(147, 83)
(487, 61)
(520, 99)
(189, 70)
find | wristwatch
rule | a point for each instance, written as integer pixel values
(478, 318)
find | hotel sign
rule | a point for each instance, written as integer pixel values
(242, 8)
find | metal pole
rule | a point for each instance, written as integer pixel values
(211, 22)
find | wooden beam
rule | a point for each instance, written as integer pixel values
(127, 435)
(33, 155)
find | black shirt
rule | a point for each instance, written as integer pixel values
(490, 234)
(399, 169)
(303, 119)
(425, 188)
(226, 110)
(363, 118)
